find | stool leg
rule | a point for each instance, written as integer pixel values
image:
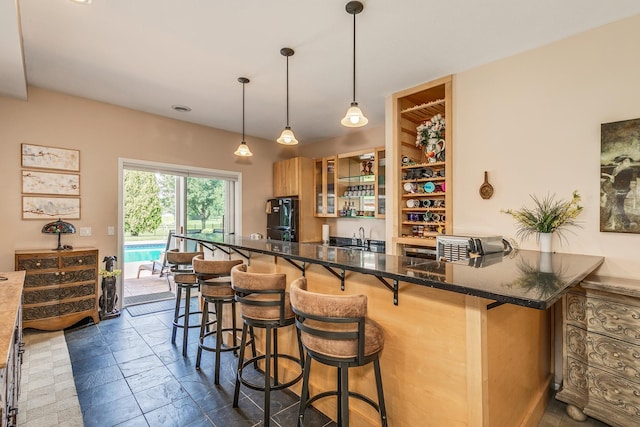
(218, 341)
(185, 335)
(382, 408)
(275, 357)
(203, 330)
(243, 343)
(234, 326)
(304, 394)
(343, 396)
(253, 347)
(176, 314)
(267, 376)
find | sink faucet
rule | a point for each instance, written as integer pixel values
(361, 236)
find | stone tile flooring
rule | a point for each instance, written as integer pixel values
(126, 372)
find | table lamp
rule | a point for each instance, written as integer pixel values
(59, 227)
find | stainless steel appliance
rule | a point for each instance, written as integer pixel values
(454, 248)
(283, 219)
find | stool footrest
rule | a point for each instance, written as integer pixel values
(224, 346)
(278, 386)
(335, 393)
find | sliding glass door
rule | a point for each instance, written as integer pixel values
(159, 201)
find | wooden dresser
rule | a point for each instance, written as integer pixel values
(11, 346)
(601, 351)
(60, 287)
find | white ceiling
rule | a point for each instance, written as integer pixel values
(150, 54)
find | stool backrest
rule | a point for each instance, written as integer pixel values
(260, 290)
(179, 260)
(207, 269)
(332, 326)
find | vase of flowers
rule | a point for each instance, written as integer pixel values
(430, 138)
(547, 217)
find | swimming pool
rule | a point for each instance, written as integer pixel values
(143, 252)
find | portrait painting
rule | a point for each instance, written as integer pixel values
(619, 173)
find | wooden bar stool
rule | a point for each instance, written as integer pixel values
(215, 288)
(184, 278)
(335, 331)
(264, 303)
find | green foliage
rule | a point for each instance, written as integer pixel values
(205, 198)
(547, 216)
(142, 209)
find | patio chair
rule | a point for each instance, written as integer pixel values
(161, 265)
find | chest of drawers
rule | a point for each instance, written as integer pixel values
(601, 350)
(60, 287)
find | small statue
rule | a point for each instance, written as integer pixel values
(109, 298)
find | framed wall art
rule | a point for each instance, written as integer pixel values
(46, 207)
(39, 182)
(41, 157)
(619, 172)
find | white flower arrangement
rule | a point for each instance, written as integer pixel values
(431, 131)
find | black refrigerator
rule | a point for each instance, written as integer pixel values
(282, 219)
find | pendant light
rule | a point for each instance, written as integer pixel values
(243, 148)
(354, 117)
(287, 137)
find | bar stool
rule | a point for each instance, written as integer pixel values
(184, 278)
(336, 331)
(264, 303)
(215, 288)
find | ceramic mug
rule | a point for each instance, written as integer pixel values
(426, 203)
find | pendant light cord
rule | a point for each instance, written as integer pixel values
(354, 57)
(243, 112)
(287, 91)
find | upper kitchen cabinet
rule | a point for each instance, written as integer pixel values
(324, 181)
(423, 144)
(359, 191)
(287, 176)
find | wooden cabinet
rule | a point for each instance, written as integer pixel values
(60, 288)
(11, 347)
(423, 181)
(287, 175)
(324, 183)
(601, 351)
(351, 184)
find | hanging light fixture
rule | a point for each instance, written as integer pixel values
(243, 148)
(354, 117)
(287, 137)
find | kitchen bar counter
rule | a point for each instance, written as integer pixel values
(452, 355)
(10, 299)
(526, 278)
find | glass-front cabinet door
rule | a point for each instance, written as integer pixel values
(381, 188)
(325, 186)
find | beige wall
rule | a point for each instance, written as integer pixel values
(103, 133)
(533, 122)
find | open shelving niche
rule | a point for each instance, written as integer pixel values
(413, 107)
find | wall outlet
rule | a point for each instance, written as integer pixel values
(85, 231)
(111, 230)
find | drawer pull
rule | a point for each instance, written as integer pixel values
(79, 261)
(57, 273)
(38, 264)
(62, 273)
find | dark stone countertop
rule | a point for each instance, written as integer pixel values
(526, 278)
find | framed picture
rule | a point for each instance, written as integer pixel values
(39, 182)
(41, 157)
(44, 207)
(619, 172)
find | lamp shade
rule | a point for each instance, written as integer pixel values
(59, 227)
(287, 137)
(243, 150)
(354, 117)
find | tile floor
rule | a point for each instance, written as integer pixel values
(127, 373)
